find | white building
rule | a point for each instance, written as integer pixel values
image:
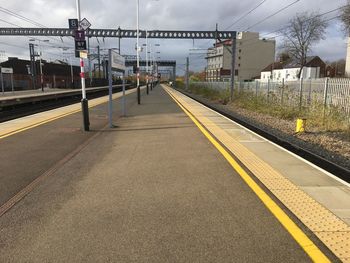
(314, 68)
(252, 54)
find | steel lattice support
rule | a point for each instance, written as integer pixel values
(160, 63)
(119, 33)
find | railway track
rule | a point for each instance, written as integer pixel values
(29, 107)
(324, 163)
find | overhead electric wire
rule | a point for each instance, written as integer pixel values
(252, 41)
(272, 15)
(49, 45)
(246, 14)
(279, 35)
(7, 11)
(287, 26)
(12, 13)
(12, 45)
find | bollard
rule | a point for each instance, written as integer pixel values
(85, 109)
(301, 125)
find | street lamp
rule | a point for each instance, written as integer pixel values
(138, 53)
(41, 65)
(138, 49)
(152, 58)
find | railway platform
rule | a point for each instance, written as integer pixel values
(173, 181)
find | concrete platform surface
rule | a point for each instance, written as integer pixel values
(152, 189)
(317, 198)
(9, 95)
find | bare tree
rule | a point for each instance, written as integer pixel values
(303, 31)
(345, 17)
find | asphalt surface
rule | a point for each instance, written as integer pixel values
(152, 189)
(28, 154)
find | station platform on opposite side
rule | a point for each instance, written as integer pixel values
(34, 96)
(163, 185)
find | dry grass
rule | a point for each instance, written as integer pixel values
(318, 120)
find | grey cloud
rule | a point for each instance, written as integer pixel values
(169, 14)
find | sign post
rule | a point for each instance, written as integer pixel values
(2, 83)
(117, 63)
(80, 45)
(6, 71)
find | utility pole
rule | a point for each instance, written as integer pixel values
(138, 53)
(119, 32)
(84, 101)
(99, 61)
(147, 85)
(32, 64)
(89, 57)
(233, 63)
(41, 70)
(71, 73)
(187, 73)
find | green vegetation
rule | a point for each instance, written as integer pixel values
(318, 120)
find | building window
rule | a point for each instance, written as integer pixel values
(239, 65)
(240, 50)
(236, 72)
(239, 57)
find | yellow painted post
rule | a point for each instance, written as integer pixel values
(301, 125)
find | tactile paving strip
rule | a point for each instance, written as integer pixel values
(330, 229)
(337, 241)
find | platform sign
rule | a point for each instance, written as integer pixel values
(7, 70)
(80, 45)
(85, 24)
(83, 54)
(117, 61)
(73, 23)
(79, 35)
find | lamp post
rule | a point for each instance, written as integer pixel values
(138, 49)
(40, 59)
(138, 53)
(147, 75)
(152, 59)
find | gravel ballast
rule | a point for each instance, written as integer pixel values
(332, 146)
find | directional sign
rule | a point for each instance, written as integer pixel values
(7, 70)
(73, 23)
(79, 35)
(80, 45)
(85, 24)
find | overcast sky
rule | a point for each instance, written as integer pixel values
(171, 15)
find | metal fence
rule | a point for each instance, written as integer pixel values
(330, 93)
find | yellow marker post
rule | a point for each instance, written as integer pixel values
(301, 125)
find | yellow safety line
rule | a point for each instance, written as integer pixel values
(301, 238)
(30, 126)
(36, 124)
